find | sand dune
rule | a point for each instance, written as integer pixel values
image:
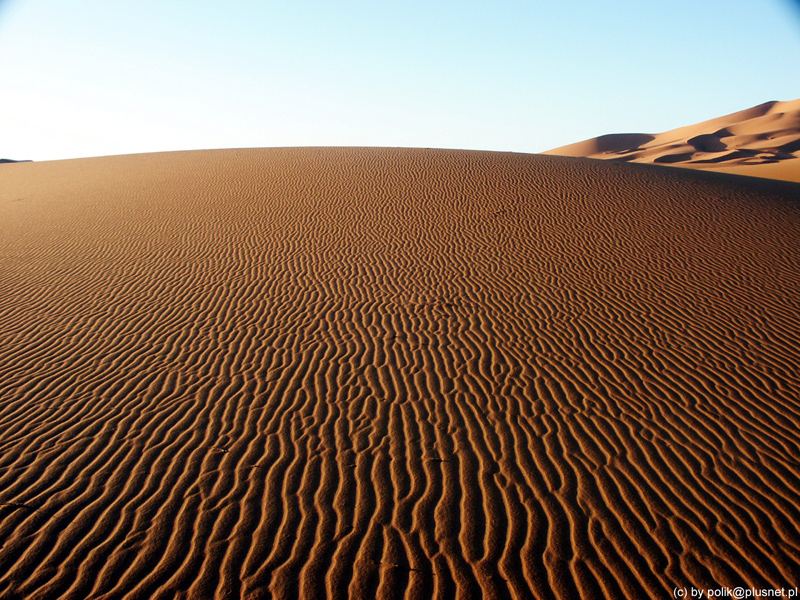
(395, 374)
(763, 141)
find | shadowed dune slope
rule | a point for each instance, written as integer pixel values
(763, 141)
(397, 374)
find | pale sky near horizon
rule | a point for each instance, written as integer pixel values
(94, 77)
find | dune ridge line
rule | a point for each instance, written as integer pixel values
(763, 141)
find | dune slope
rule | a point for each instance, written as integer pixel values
(395, 374)
(763, 141)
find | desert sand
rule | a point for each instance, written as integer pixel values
(395, 373)
(763, 141)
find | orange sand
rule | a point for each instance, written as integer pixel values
(763, 141)
(395, 373)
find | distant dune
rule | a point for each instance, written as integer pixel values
(763, 141)
(397, 374)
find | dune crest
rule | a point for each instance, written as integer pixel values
(393, 373)
(763, 141)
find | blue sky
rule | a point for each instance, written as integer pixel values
(96, 77)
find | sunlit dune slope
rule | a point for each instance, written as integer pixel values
(396, 374)
(763, 141)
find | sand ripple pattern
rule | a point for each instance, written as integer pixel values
(396, 374)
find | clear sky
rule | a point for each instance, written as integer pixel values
(97, 77)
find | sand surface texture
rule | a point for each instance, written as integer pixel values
(395, 374)
(763, 141)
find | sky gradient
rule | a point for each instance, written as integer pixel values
(97, 77)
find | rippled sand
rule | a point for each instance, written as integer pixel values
(395, 373)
